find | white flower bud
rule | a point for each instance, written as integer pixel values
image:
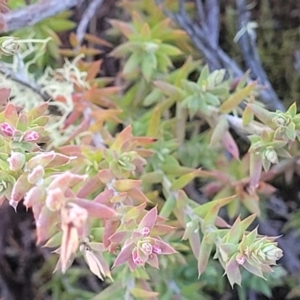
(8, 45)
(271, 155)
(151, 47)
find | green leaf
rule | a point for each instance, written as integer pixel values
(203, 76)
(248, 116)
(113, 291)
(233, 236)
(202, 210)
(216, 77)
(247, 222)
(168, 207)
(154, 123)
(60, 24)
(255, 169)
(211, 217)
(144, 294)
(292, 109)
(146, 32)
(235, 99)
(186, 178)
(169, 50)
(218, 132)
(169, 89)
(190, 86)
(261, 113)
(132, 63)
(125, 48)
(204, 254)
(211, 99)
(163, 62)
(149, 65)
(154, 96)
(291, 131)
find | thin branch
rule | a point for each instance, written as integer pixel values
(213, 20)
(250, 53)
(86, 17)
(200, 11)
(35, 13)
(23, 80)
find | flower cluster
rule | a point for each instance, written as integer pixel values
(254, 253)
(142, 246)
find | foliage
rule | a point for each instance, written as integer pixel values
(105, 178)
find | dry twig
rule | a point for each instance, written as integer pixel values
(86, 17)
(35, 13)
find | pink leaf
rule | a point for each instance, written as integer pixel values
(105, 176)
(124, 255)
(137, 195)
(149, 219)
(90, 186)
(120, 236)
(95, 209)
(104, 197)
(11, 113)
(65, 180)
(109, 229)
(230, 145)
(153, 261)
(44, 223)
(164, 247)
(41, 159)
(20, 188)
(34, 195)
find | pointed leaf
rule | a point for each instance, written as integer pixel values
(203, 257)
(235, 99)
(149, 219)
(219, 131)
(202, 210)
(96, 209)
(124, 185)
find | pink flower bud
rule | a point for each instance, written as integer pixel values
(7, 129)
(16, 161)
(240, 259)
(156, 250)
(146, 248)
(136, 259)
(145, 231)
(36, 174)
(31, 136)
(55, 199)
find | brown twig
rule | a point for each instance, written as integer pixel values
(35, 13)
(86, 17)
